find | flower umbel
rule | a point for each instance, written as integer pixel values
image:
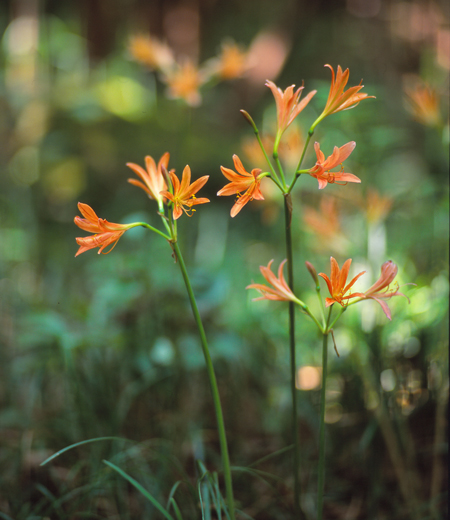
(183, 196)
(106, 233)
(381, 289)
(338, 286)
(288, 105)
(241, 181)
(321, 170)
(279, 291)
(153, 178)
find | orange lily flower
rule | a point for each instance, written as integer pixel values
(184, 193)
(424, 105)
(380, 289)
(279, 291)
(241, 181)
(231, 63)
(321, 170)
(184, 83)
(338, 99)
(153, 178)
(288, 105)
(151, 52)
(106, 233)
(338, 286)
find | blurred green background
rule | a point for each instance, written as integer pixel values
(106, 346)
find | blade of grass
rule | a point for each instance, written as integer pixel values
(67, 448)
(141, 489)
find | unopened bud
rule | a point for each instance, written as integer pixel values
(312, 272)
(248, 117)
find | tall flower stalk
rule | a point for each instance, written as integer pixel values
(165, 188)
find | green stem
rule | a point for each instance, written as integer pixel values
(272, 170)
(213, 383)
(321, 475)
(296, 461)
(280, 169)
(297, 174)
(143, 224)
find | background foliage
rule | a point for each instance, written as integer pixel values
(105, 346)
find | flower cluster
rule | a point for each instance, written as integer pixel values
(185, 79)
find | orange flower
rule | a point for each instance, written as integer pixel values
(423, 103)
(241, 181)
(338, 99)
(184, 83)
(184, 193)
(279, 291)
(321, 170)
(151, 52)
(288, 105)
(106, 233)
(338, 286)
(380, 289)
(153, 178)
(232, 62)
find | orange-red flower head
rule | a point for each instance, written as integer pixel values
(338, 99)
(279, 291)
(337, 283)
(183, 196)
(151, 52)
(153, 179)
(105, 233)
(423, 103)
(241, 182)
(381, 289)
(231, 63)
(321, 170)
(184, 82)
(288, 105)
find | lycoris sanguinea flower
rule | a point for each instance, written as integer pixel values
(338, 99)
(337, 283)
(183, 196)
(241, 182)
(288, 105)
(105, 233)
(153, 178)
(321, 170)
(184, 82)
(279, 291)
(423, 102)
(381, 289)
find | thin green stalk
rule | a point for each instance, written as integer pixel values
(143, 224)
(213, 383)
(321, 470)
(297, 174)
(280, 169)
(297, 491)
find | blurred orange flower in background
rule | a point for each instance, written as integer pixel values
(151, 52)
(184, 83)
(232, 62)
(423, 103)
